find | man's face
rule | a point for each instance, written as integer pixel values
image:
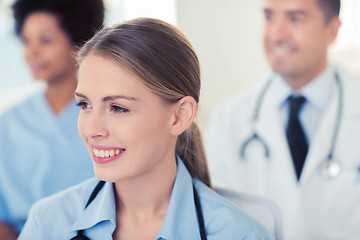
(296, 37)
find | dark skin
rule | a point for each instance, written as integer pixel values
(60, 76)
(7, 232)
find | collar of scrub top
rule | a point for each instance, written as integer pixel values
(102, 208)
(69, 109)
(318, 94)
(180, 217)
(60, 122)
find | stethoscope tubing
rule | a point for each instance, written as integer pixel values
(338, 116)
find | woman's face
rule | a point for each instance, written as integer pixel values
(47, 48)
(125, 126)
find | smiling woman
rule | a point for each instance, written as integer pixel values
(138, 90)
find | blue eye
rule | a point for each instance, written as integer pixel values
(83, 105)
(118, 109)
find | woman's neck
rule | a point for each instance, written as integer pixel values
(60, 93)
(142, 203)
(149, 192)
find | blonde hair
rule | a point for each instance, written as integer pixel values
(163, 59)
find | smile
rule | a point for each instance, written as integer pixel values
(107, 153)
(281, 51)
(103, 156)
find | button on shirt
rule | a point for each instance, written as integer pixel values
(40, 154)
(60, 216)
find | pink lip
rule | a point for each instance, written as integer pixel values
(37, 67)
(105, 160)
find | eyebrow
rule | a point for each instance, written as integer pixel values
(297, 11)
(289, 12)
(109, 98)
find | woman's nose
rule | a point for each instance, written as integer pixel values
(96, 126)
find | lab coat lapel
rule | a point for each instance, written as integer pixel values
(281, 184)
(321, 143)
(270, 127)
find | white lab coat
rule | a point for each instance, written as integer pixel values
(313, 208)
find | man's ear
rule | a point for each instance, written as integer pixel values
(333, 29)
(184, 114)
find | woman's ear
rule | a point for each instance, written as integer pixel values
(184, 113)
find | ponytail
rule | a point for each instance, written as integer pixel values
(190, 149)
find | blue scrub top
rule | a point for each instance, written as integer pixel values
(61, 215)
(40, 154)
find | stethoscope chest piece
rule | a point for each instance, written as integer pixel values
(330, 169)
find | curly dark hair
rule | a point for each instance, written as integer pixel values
(80, 19)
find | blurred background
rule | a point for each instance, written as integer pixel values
(227, 36)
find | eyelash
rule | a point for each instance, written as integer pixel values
(113, 108)
(82, 105)
(118, 109)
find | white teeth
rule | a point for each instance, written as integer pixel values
(281, 50)
(106, 153)
(96, 152)
(102, 153)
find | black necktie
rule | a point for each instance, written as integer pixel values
(295, 134)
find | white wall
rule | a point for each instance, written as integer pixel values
(226, 35)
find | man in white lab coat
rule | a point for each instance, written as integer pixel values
(306, 118)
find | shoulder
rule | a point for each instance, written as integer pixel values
(52, 217)
(12, 120)
(351, 89)
(225, 220)
(230, 116)
(67, 203)
(347, 78)
(237, 104)
(20, 109)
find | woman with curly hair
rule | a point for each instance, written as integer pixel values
(41, 151)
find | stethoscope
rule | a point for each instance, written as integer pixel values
(331, 167)
(80, 233)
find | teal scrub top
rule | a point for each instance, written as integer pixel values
(40, 154)
(61, 215)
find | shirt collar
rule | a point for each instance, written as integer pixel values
(325, 82)
(102, 208)
(180, 217)
(181, 214)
